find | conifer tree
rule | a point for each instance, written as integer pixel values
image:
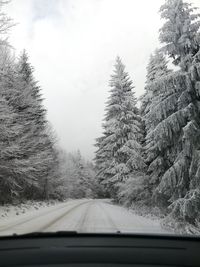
(10, 184)
(179, 33)
(28, 161)
(36, 143)
(119, 150)
(179, 184)
(157, 109)
(156, 68)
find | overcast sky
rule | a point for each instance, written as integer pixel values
(72, 45)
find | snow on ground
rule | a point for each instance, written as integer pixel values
(84, 215)
(11, 211)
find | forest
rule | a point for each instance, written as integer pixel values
(148, 156)
(32, 165)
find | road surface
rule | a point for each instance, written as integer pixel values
(84, 215)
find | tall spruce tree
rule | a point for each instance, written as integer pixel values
(38, 143)
(37, 155)
(28, 161)
(119, 150)
(157, 108)
(156, 68)
(180, 183)
(9, 127)
(179, 32)
(10, 184)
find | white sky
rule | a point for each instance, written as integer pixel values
(72, 45)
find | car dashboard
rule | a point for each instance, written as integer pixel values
(99, 250)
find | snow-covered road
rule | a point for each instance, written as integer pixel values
(80, 215)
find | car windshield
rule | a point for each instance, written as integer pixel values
(100, 116)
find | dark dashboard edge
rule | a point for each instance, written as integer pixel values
(101, 235)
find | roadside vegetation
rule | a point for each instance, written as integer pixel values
(31, 163)
(149, 154)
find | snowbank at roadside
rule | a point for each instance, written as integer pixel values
(167, 222)
(11, 211)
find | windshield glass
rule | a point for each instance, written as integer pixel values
(100, 116)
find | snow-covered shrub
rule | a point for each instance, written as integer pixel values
(134, 189)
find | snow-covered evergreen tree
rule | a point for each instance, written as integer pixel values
(29, 166)
(157, 108)
(179, 32)
(102, 161)
(119, 151)
(10, 129)
(79, 175)
(156, 68)
(38, 140)
(6, 23)
(36, 158)
(179, 185)
(10, 184)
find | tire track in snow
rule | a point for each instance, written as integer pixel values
(60, 217)
(21, 222)
(110, 220)
(80, 225)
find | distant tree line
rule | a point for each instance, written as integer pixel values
(79, 176)
(150, 155)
